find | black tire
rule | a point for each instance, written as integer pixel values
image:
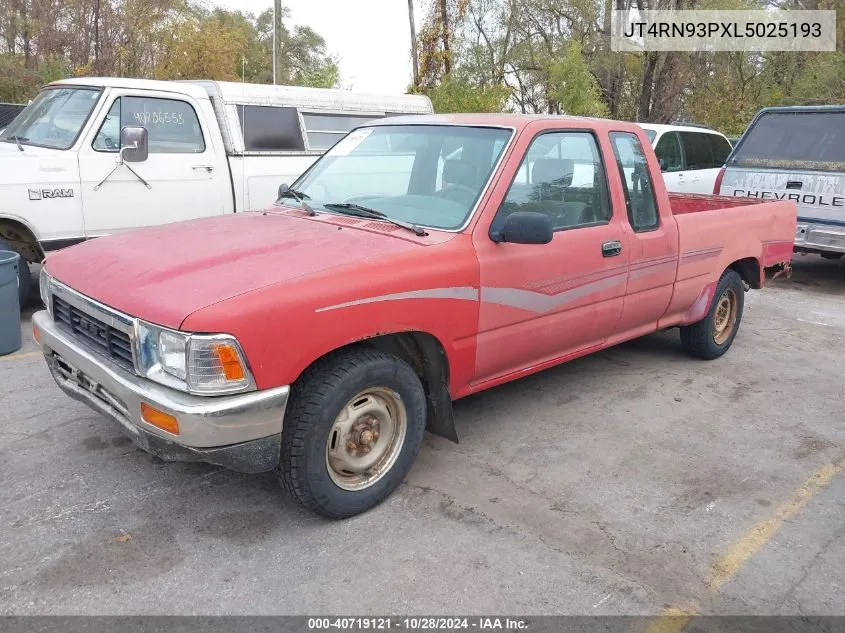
(317, 398)
(699, 339)
(24, 276)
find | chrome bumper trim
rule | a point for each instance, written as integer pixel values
(204, 422)
(823, 237)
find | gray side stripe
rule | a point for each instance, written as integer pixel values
(467, 293)
(529, 300)
(539, 302)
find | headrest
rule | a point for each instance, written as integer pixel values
(556, 170)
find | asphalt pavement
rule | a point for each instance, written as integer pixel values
(633, 481)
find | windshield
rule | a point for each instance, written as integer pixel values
(430, 175)
(53, 119)
(794, 140)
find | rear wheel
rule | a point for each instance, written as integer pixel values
(24, 276)
(713, 335)
(353, 428)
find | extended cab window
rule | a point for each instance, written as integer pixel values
(636, 181)
(172, 125)
(270, 128)
(668, 151)
(561, 176)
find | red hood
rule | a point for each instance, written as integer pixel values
(162, 274)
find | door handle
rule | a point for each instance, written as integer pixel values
(611, 249)
(207, 168)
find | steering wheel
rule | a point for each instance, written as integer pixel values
(457, 193)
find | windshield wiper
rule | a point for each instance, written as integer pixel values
(350, 208)
(299, 197)
(17, 139)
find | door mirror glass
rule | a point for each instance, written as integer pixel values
(134, 143)
(525, 227)
(662, 164)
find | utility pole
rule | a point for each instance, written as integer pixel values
(447, 54)
(97, 38)
(277, 27)
(414, 53)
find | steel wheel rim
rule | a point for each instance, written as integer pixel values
(366, 438)
(724, 318)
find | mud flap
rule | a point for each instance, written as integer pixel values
(440, 419)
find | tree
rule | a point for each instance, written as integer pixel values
(573, 86)
(44, 40)
(453, 94)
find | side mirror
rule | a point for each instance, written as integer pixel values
(283, 189)
(525, 227)
(134, 144)
(662, 164)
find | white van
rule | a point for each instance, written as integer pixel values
(690, 156)
(93, 156)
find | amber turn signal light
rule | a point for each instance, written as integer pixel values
(230, 361)
(36, 334)
(159, 419)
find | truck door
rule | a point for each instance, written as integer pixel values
(653, 241)
(543, 302)
(185, 176)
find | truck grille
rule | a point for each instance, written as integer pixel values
(94, 333)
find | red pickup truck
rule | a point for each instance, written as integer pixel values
(420, 260)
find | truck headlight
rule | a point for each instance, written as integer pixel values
(206, 364)
(44, 288)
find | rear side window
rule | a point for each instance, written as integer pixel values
(636, 181)
(668, 151)
(697, 150)
(720, 148)
(172, 125)
(270, 128)
(794, 140)
(324, 130)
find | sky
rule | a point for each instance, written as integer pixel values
(372, 38)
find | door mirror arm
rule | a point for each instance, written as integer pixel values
(134, 148)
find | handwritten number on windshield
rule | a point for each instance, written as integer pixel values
(159, 118)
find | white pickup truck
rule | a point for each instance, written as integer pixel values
(93, 156)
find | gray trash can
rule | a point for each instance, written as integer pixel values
(10, 309)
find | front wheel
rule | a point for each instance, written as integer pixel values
(713, 335)
(352, 430)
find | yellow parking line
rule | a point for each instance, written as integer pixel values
(730, 564)
(676, 619)
(672, 620)
(20, 356)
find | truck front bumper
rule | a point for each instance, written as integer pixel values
(241, 432)
(819, 237)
